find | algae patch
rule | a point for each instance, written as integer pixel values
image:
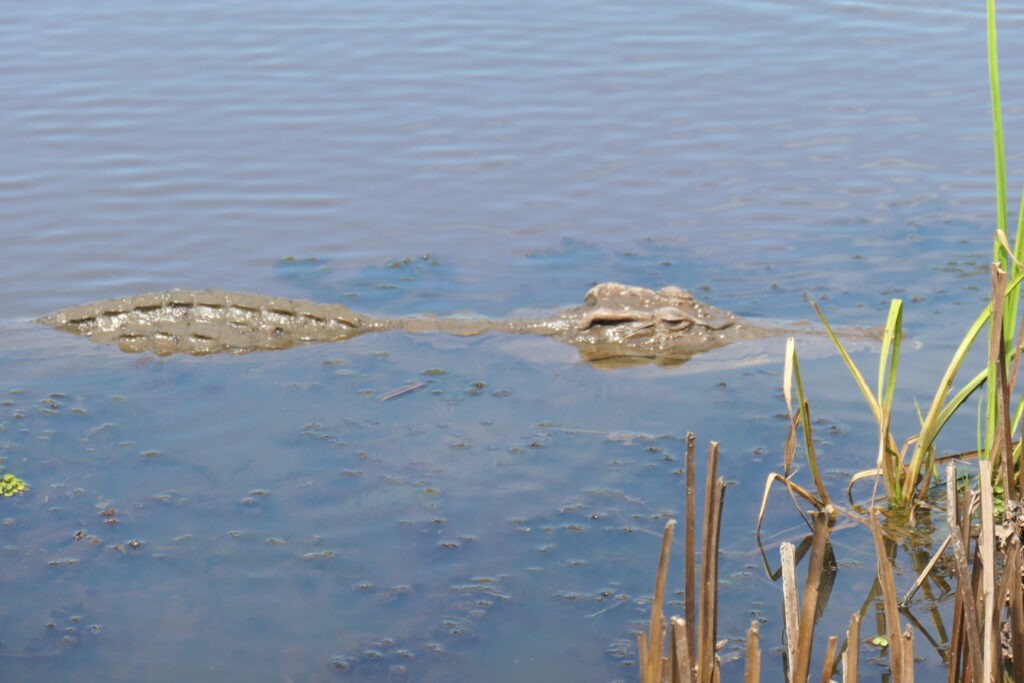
(11, 485)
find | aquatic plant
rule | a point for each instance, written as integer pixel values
(692, 637)
(11, 485)
(905, 471)
(685, 648)
(986, 642)
(987, 639)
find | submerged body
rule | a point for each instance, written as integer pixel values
(615, 321)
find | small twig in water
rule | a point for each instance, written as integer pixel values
(401, 391)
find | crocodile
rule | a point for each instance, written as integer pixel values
(616, 324)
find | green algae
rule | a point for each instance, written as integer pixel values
(11, 485)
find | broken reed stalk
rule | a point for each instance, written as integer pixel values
(830, 659)
(907, 649)
(960, 668)
(690, 559)
(689, 662)
(790, 603)
(714, 495)
(850, 656)
(651, 656)
(985, 549)
(976, 650)
(890, 605)
(1015, 595)
(682, 664)
(800, 668)
(752, 671)
(968, 612)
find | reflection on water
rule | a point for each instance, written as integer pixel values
(267, 518)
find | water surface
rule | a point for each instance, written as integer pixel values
(265, 517)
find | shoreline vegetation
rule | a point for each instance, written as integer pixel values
(981, 556)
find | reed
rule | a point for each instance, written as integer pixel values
(986, 641)
(691, 654)
(903, 471)
(683, 654)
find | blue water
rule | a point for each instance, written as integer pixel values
(272, 520)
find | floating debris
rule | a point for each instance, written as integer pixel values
(401, 391)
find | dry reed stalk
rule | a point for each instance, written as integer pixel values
(689, 662)
(752, 670)
(708, 659)
(1015, 595)
(1006, 391)
(996, 343)
(1002, 388)
(790, 603)
(850, 657)
(642, 650)
(985, 549)
(808, 611)
(897, 658)
(923, 575)
(907, 651)
(976, 587)
(969, 608)
(959, 662)
(956, 641)
(690, 559)
(682, 664)
(706, 632)
(652, 647)
(830, 659)
(940, 641)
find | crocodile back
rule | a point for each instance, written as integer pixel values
(210, 321)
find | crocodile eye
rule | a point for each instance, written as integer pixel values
(673, 317)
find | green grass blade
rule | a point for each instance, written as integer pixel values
(997, 130)
(939, 408)
(862, 384)
(888, 453)
(1018, 413)
(931, 426)
(959, 399)
(881, 400)
(891, 338)
(805, 420)
(999, 151)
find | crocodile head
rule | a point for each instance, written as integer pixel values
(623, 324)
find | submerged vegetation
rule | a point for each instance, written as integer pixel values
(984, 511)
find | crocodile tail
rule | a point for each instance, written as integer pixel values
(210, 321)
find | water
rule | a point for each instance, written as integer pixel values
(272, 519)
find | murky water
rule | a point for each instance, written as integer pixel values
(267, 518)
